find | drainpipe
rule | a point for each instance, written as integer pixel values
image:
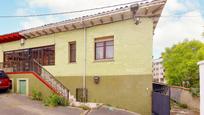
(85, 55)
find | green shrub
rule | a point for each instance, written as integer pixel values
(174, 103)
(36, 95)
(84, 107)
(195, 91)
(183, 105)
(52, 100)
(55, 100)
(63, 102)
(109, 105)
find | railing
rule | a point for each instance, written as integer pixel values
(6, 69)
(46, 76)
(1, 65)
(50, 79)
(15, 67)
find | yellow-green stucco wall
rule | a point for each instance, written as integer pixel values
(33, 84)
(128, 92)
(132, 49)
(131, 92)
(126, 81)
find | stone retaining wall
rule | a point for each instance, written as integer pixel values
(184, 96)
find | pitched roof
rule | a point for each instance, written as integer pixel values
(151, 10)
(10, 37)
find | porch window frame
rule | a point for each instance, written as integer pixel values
(30, 50)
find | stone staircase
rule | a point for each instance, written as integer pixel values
(54, 84)
(57, 86)
(50, 81)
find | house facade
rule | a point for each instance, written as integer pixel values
(109, 54)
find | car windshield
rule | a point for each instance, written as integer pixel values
(2, 74)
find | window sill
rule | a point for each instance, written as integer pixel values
(72, 63)
(104, 60)
(48, 65)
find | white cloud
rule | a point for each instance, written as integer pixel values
(21, 11)
(171, 30)
(36, 21)
(69, 5)
(174, 5)
(60, 6)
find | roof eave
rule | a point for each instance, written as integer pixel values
(151, 10)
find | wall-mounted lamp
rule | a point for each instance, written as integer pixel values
(22, 42)
(96, 79)
(134, 8)
(137, 20)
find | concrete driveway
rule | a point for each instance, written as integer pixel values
(14, 104)
(105, 110)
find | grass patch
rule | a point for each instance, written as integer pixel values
(183, 106)
(36, 95)
(174, 103)
(109, 105)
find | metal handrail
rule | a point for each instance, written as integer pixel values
(51, 78)
(37, 68)
(49, 73)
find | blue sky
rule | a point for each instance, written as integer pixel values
(170, 30)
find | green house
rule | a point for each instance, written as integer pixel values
(109, 54)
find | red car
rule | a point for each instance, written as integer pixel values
(5, 82)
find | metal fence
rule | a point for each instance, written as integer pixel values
(160, 99)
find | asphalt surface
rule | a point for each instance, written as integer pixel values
(105, 110)
(14, 104)
(181, 111)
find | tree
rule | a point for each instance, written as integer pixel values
(180, 62)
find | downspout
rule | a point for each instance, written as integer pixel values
(85, 59)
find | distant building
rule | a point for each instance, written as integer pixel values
(158, 70)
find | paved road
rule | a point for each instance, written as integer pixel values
(181, 111)
(104, 110)
(13, 104)
(176, 110)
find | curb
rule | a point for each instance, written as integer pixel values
(86, 112)
(115, 108)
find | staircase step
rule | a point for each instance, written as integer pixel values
(52, 81)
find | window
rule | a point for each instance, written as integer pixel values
(72, 51)
(104, 48)
(21, 58)
(161, 79)
(44, 55)
(48, 55)
(8, 58)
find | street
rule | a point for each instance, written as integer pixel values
(14, 104)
